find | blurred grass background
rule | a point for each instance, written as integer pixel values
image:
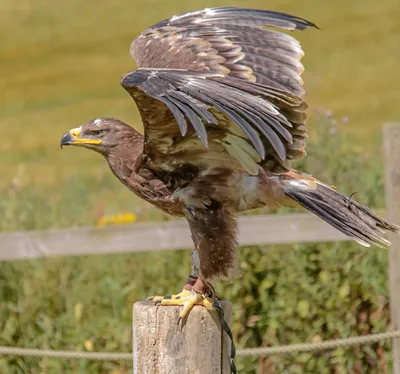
(60, 65)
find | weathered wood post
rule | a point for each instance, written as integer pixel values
(391, 146)
(196, 346)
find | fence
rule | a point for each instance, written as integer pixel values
(141, 237)
(254, 230)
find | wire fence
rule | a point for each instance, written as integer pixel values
(258, 352)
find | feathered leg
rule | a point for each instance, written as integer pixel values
(214, 232)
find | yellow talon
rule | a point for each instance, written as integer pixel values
(187, 299)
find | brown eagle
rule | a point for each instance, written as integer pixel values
(221, 100)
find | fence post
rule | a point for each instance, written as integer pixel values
(161, 345)
(391, 145)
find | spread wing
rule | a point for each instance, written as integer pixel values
(216, 79)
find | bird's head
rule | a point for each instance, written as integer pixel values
(100, 135)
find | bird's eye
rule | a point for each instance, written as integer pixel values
(98, 132)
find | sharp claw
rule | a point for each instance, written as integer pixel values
(187, 299)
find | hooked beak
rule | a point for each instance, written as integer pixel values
(73, 137)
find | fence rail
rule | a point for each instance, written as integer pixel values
(159, 236)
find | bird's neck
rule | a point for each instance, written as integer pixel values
(125, 163)
(123, 158)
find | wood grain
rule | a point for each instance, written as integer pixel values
(162, 346)
(392, 185)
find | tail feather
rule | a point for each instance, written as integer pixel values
(348, 216)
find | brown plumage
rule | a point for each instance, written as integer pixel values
(221, 100)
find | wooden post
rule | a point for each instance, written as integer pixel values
(161, 345)
(391, 146)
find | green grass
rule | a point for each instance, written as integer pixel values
(61, 62)
(281, 294)
(60, 65)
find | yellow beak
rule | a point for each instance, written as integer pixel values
(72, 137)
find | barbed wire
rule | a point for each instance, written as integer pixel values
(261, 351)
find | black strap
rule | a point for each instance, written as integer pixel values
(228, 331)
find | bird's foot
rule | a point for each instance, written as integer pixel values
(198, 293)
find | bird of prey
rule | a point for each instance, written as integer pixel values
(220, 95)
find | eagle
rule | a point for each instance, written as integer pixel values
(221, 99)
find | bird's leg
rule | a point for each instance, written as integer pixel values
(196, 291)
(195, 271)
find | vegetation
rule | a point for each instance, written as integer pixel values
(281, 294)
(60, 64)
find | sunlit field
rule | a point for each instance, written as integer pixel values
(60, 65)
(61, 62)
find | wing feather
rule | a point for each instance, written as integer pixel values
(180, 118)
(270, 135)
(242, 156)
(226, 40)
(244, 16)
(193, 118)
(190, 95)
(244, 126)
(219, 74)
(202, 112)
(243, 110)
